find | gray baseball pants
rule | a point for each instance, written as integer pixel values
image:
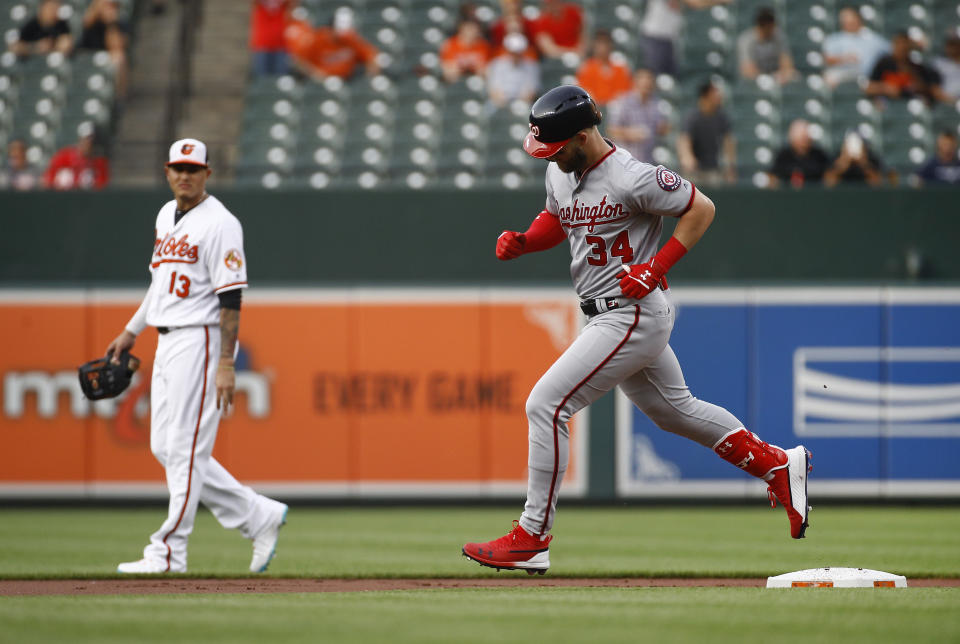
(628, 347)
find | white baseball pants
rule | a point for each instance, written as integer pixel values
(183, 427)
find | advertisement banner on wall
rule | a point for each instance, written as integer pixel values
(339, 393)
(868, 379)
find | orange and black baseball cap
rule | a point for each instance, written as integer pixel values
(188, 151)
(556, 117)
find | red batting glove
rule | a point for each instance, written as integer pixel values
(637, 281)
(510, 245)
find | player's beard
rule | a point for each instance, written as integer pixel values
(576, 163)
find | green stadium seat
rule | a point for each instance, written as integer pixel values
(708, 58)
(414, 158)
(947, 117)
(365, 178)
(806, 48)
(465, 158)
(314, 179)
(905, 156)
(750, 132)
(810, 86)
(716, 27)
(262, 177)
(277, 132)
(6, 114)
(754, 108)
(412, 88)
(319, 156)
(800, 16)
(912, 15)
(462, 135)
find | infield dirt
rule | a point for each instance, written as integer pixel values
(167, 585)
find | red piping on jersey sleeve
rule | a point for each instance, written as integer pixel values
(545, 232)
(226, 286)
(693, 193)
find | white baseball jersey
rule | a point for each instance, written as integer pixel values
(612, 216)
(193, 260)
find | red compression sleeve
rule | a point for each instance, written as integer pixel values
(545, 232)
(669, 254)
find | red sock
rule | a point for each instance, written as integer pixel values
(745, 450)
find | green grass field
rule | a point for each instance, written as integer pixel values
(425, 542)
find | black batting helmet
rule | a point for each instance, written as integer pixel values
(556, 117)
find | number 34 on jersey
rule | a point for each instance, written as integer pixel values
(620, 248)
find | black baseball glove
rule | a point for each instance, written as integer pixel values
(101, 378)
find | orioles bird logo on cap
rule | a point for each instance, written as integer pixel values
(187, 148)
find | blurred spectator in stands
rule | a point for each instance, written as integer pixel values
(559, 29)
(104, 31)
(856, 163)
(512, 75)
(944, 167)
(329, 51)
(763, 49)
(852, 52)
(897, 76)
(661, 26)
(44, 33)
(511, 20)
(17, 174)
(267, 23)
(706, 148)
(298, 37)
(157, 7)
(78, 167)
(948, 66)
(466, 52)
(634, 120)
(468, 11)
(800, 161)
(603, 78)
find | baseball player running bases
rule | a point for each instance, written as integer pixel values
(609, 206)
(198, 271)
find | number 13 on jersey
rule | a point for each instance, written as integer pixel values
(619, 248)
(184, 289)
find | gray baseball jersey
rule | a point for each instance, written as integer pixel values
(613, 216)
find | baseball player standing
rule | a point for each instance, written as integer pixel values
(198, 271)
(610, 207)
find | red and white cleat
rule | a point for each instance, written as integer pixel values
(789, 486)
(515, 550)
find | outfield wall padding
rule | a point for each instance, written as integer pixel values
(338, 238)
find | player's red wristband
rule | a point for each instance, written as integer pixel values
(545, 232)
(669, 254)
